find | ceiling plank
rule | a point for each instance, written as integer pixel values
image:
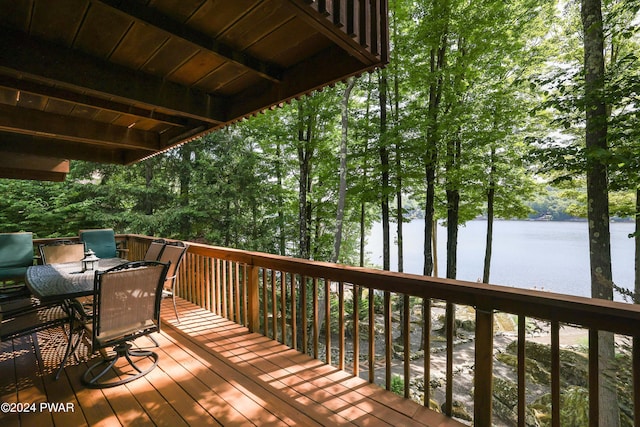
(152, 17)
(29, 166)
(42, 60)
(34, 122)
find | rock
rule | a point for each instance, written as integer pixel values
(506, 392)
(458, 411)
(574, 366)
(468, 325)
(533, 370)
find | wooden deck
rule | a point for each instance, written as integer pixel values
(211, 372)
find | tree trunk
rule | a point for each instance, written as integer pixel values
(185, 184)
(342, 190)
(597, 195)
(453, 205)
(491, 192)
(437, 64)
(148, 175)
(281, 222)
(384, 166)
(304, 180)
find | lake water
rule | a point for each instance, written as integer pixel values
(550, 255)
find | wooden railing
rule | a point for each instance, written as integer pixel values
(303, 304)
(362, 21)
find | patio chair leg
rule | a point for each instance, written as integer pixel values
(70, 349)
(122, 350)
(175, 307)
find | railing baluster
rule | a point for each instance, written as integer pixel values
(372, 345)
(327, 319)
(225, 290)
(206, 284)
(237, 292)
(356, 330)
(483, 375)
(450, 324)
(406, 327)
(294, 313)
(522, 324)
(218, 290)
(201, 280)
(274, 306)
(353, 18)
(555, 374)
(245, 293)
(316, 326)
(265, 310)
(594, 379)
(365, 23)
(303, 314)
(340, 13)
(387, 339)
(230, 296)
(341, 339)
(283, 305)
(426, 338)
(635, 369)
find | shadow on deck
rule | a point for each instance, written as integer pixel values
(211, 372)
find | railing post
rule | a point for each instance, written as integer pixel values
(253, 299)
(483, 377)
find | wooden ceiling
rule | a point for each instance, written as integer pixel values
(117, 81)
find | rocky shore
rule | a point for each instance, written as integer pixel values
(573, 359)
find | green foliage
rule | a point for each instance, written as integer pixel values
(397, 385)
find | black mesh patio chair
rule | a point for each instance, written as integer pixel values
(126, 306)
(61, 251)
(173, 253)
(154, 250)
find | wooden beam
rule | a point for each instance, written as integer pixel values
(90, 101)
(150, 16)
(329, 66)
(79, 72)
(28, 166)
(48, 147)
(34, 122)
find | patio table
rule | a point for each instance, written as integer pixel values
(59, 282)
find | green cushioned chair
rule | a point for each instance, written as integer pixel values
(16, 254)
(102, 242)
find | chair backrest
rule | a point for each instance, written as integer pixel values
(172, 253)
(154, 250)
(61, 251)
(16, 250)
(101, 241)
(127, 302)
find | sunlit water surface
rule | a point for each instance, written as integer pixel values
(550, 255)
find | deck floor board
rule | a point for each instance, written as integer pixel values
(211, 371)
